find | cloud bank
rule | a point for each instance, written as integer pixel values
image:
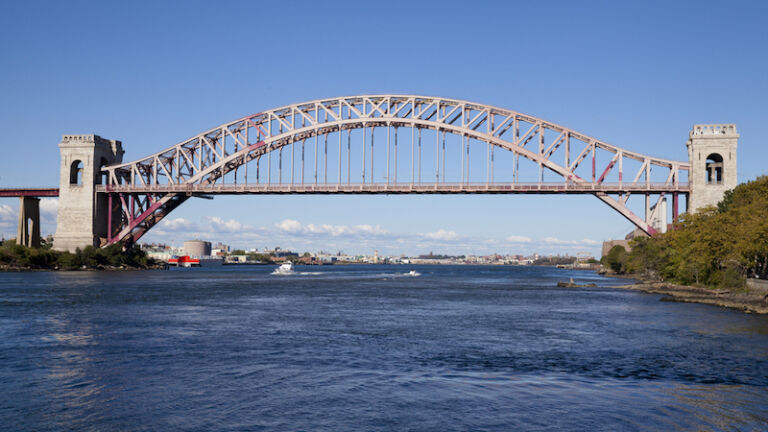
(360, 238)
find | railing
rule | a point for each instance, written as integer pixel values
(385, 188)
(714, 129)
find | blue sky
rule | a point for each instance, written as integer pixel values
(637, 75)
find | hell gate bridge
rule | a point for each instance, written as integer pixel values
(372, 144)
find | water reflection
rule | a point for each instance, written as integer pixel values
(73, 376)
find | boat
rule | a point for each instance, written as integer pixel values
(414, 273)
(572, 284)
(285, 268)
(184, 261)
(188, 261)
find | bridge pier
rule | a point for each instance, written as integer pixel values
(28, 233)
(82, 212)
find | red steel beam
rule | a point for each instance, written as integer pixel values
(29, 192)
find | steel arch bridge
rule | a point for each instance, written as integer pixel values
(142, 192)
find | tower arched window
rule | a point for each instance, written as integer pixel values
(76, 173)
(714, 169)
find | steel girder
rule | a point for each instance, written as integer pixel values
(162, 181)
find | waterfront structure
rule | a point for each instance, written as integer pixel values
(105, 201)
(197, 248)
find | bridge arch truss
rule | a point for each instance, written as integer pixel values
(142, 192)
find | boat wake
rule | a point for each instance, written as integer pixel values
(344, 274)
(295, 273)
(284, 273)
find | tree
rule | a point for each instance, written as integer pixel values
(616, 259)
(716, 246)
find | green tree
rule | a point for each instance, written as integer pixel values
(616, 259)
(716, 246)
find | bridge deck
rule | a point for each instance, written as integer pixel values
(402, 188)
(29, 192)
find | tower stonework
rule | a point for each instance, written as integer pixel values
(82, 217)
(712, 155)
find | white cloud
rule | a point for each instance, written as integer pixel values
(442, 235)
(555, 241)
(178, 224)
(7, 213)
(518, 239)
(289, 226)
(49, 206)
(219, 225)
(294, 227)
(560, 242)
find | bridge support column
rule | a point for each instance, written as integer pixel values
(712, 154)
(28, 233)
(82, 216)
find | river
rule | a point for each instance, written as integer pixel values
(370, 348)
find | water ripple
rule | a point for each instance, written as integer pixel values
(366, 348)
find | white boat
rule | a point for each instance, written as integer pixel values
(285, 268)
(414, 273)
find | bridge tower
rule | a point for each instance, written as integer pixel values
(712, 155)
(82, 213)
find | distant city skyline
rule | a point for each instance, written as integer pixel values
(635, 75)
(365, 239)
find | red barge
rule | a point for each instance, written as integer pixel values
(184, 261)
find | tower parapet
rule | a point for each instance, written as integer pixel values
(80, 220)
(712, 155)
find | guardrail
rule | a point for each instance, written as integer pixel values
(391, 188)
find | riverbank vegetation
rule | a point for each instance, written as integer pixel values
(18, 257)
(716, 247)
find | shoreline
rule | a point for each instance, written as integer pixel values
(7, 268)
(163, 266)
(747, 300)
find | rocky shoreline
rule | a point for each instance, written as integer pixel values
(750, 300)
(9, 268)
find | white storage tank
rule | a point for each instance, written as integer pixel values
(197, 248)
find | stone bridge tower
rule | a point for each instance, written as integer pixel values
(712, 154)
(82, 217)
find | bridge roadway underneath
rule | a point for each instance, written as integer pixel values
(28, 232)
(400, 188)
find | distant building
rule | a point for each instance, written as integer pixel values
(196, 248)
(224, 248)
(609, 244)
